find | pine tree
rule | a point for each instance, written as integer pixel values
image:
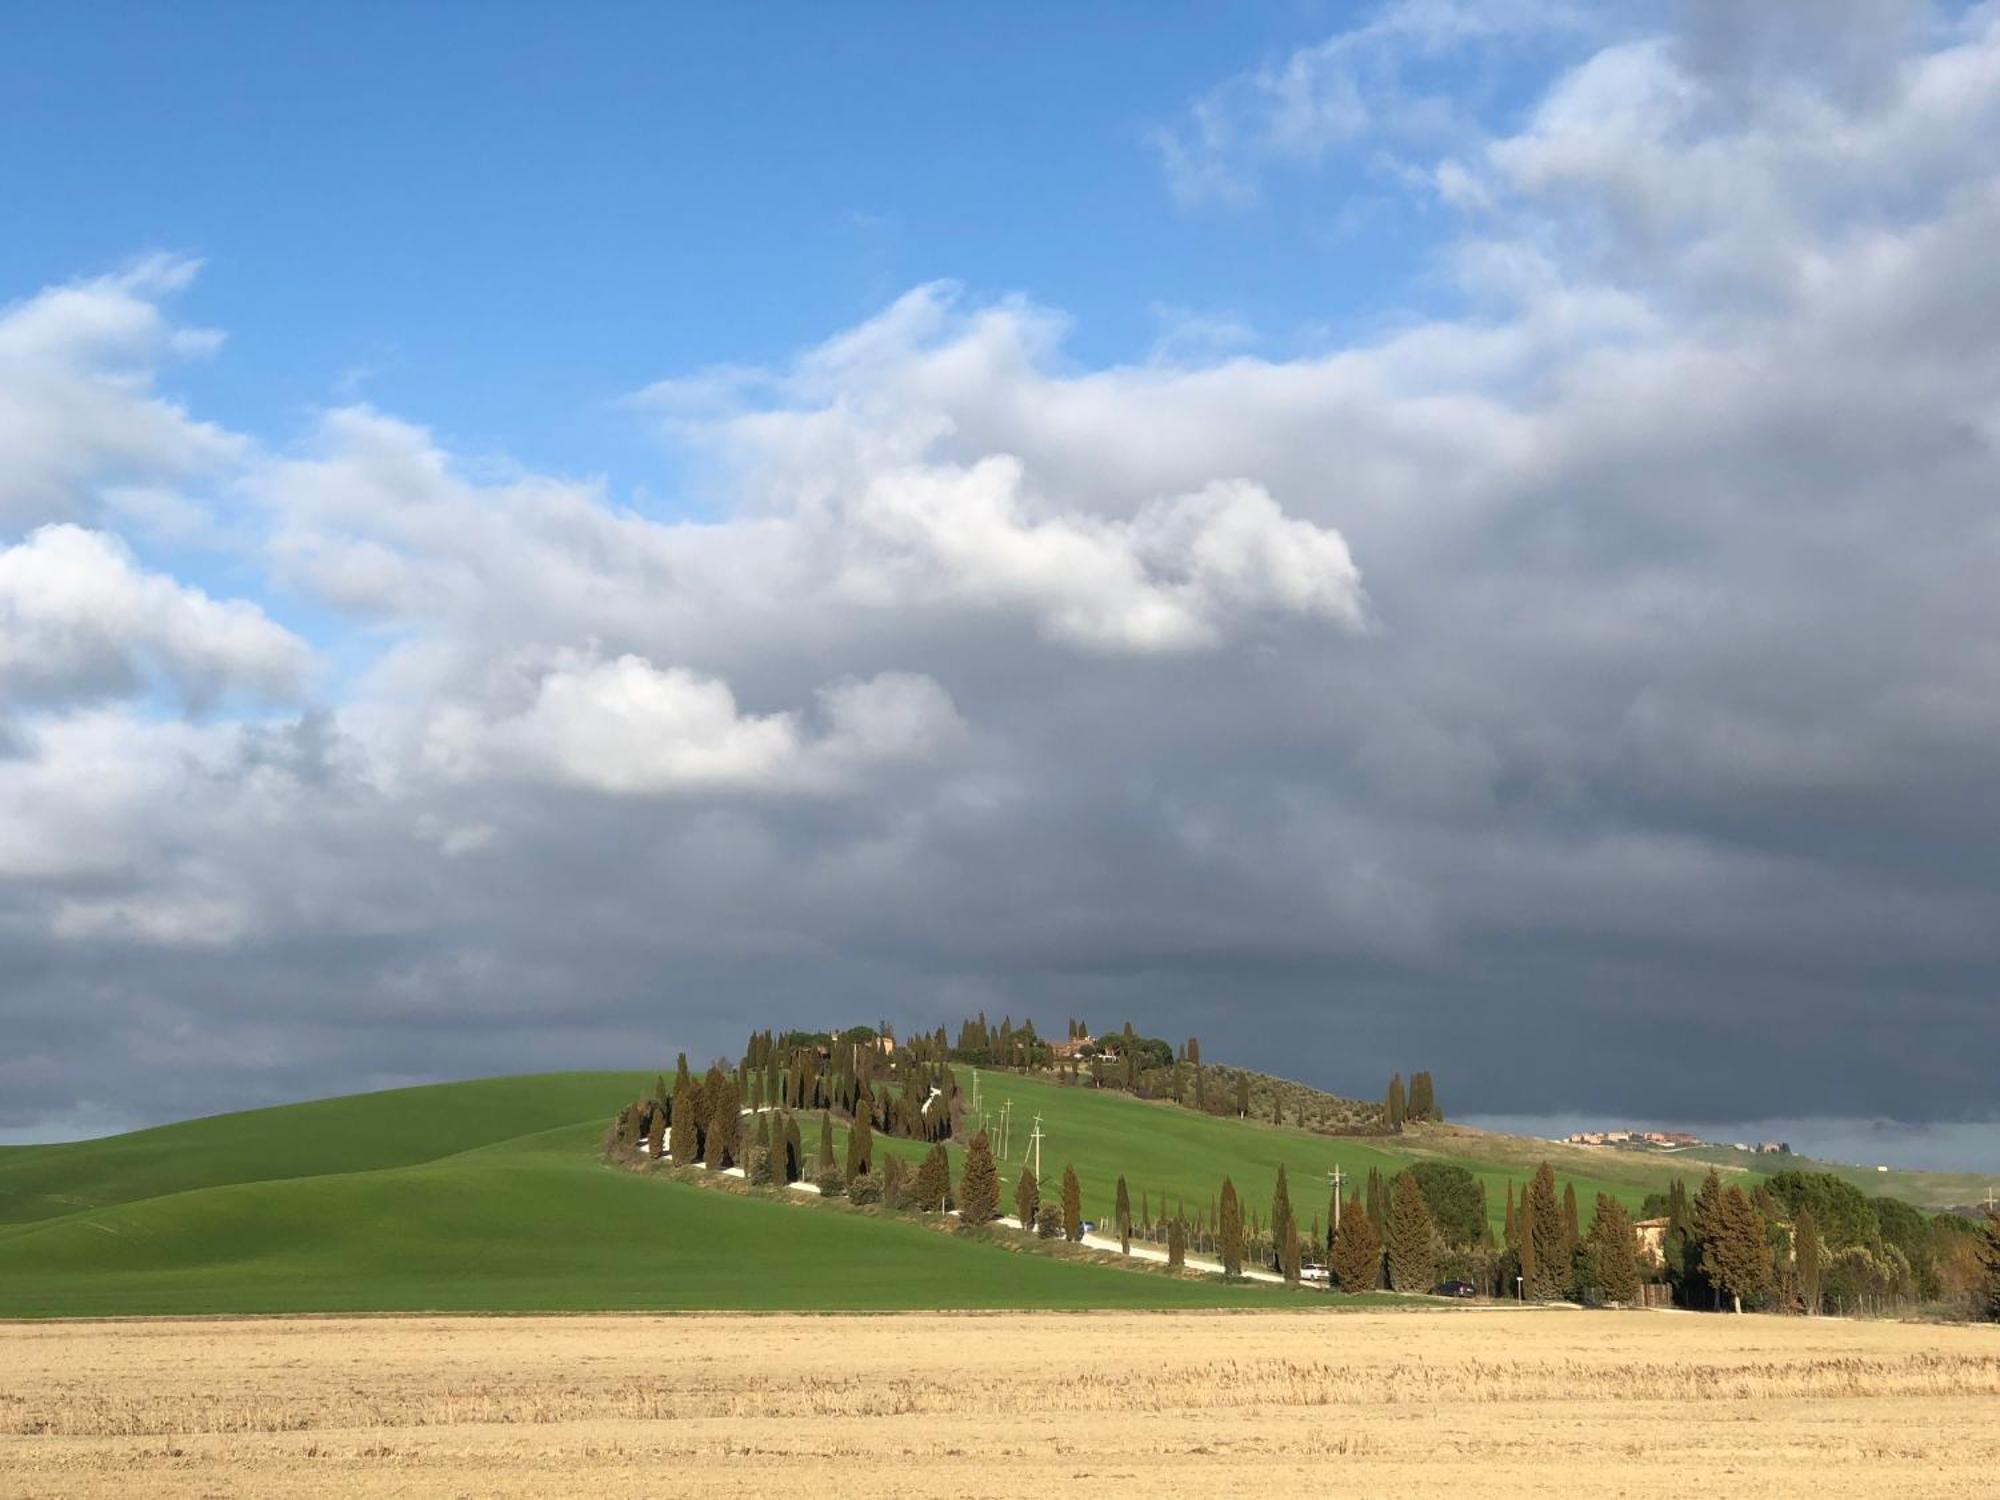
(1551, 1249)
(1806, 1252)
(1615, 1250)
(1412, 1256)
(1229, 1232)
(1734, 1256)
(1393, 1108)
(1027, 1197)
(1072, 1206)
(1122, 1212)
(979, 1184)
(1356, 1257)
(1176, 1242)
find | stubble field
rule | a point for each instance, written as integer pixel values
(1491, 1402)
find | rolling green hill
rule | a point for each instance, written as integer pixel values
(489, 1196)
(530, 1220)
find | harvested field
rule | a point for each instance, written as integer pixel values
(1493, 1402)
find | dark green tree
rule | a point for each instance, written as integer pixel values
(1412, 1255)
(1572, 1229)
(681, 1142)
(1809, 1259)
(933, 1185)
(1456, 1200)
(1614, 1250)
(979, 1184)
(823, 1164)
(1989, 1267)
(1356, 1259)
(1027, 1197)
(1122, 1213)
(1072, 1206)
(1229, 1232)
(1281, 1219)
(1734, 1254)
(1394, 1108)
(1176, 1242)
(1551, 1251)
(725, 1124)
(860, 1147)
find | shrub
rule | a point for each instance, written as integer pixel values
(1049, 1222)
(865, 1189)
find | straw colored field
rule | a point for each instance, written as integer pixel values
(1498, 1403)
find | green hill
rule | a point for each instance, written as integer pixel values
(388, 1209)
(1164, 1149)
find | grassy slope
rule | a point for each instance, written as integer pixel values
(530, 1223)
(356, 1133)
(1164, 1149)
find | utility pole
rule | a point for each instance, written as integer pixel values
(1334, 1180)
(1006, 1122)
(1989, 1198)
(1035, 1147)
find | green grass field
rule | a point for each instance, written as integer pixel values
(1163, 1149)
(489, 1196)
(499, 1219)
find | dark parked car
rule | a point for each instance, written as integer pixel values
(1455, 1289)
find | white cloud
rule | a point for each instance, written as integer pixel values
(626, 727)
(79, 617)
(77, 408)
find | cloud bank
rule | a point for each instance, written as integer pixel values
(1589, 695)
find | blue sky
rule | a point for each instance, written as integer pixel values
(499, 220)
(1418, 534)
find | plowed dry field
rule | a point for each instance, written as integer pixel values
(1492, 1403)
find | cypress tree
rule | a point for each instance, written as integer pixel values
(1027, 1197)
(1291, 1261)
(1281, 1218)
(1122, 1213)
(979, 1186)
(934, 1180)
(1507, 1235)
(725, 1122)
(1734, 1257)
(681, 1143)
(1412, 1257)
(1806, 1251)
(1072, 1206)
(1229, 1232)
(823, 1165)
(1243, 1096)
(1551, 1251)
(1176, 1242)
(895, 1191)
(1393, 1108)
(1423, 1101)
(1615, 1250)
(656, 1132)
(1572, 1230)
(1356, 1258)
(1525, 1236)
(860, 1147)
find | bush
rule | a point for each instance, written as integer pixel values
(1049, 1222)
(865, 1189)
(830, 1183)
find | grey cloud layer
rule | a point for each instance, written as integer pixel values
(1592, 699)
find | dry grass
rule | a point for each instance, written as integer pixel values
(1495, 1403)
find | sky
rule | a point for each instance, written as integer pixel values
(1403, 535)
